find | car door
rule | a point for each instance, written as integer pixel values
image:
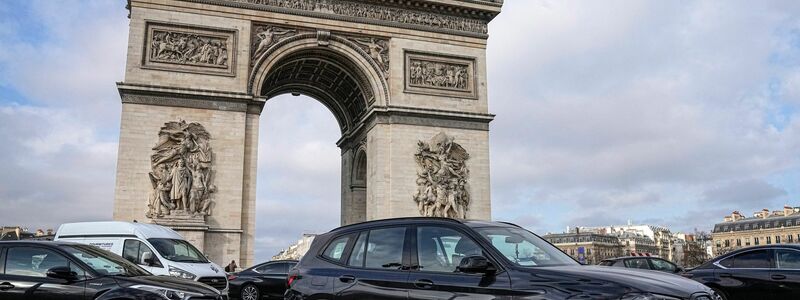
(786, 274)
(24, 275)
(747, 275)
(435, 258)
(273, 279)
(375, 266)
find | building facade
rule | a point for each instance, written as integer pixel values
(763, 228)
(587, 247)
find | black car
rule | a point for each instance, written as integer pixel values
(760, 272)
(69, 271)
(266, 280)
(643, 262)
(435, 258)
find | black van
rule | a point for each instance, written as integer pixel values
(70, 271)
(433, 258)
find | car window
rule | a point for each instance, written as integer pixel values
(637, 263)
(134, 250)
(788, 259)
(662, 265)
(385, 248)
(276, 268)
(524, 248)
(441, 249)
(758, 259)
(336, 248)
(359, 250)
(34, 262)
(606, 263)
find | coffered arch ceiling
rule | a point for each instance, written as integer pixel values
(326, 76)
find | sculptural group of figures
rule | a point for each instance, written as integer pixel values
(188, 48)
(181, 171)
(361, 10)
(441, 75)
(442, 187)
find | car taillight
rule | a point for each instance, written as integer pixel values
(231, 277)
(290, 280)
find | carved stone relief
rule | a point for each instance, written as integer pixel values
(442, 178)
(378, 50)
(266, 35)
(378, 12)
(440, 75)
(181, 172)
(193, 49)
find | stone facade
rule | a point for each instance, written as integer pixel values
(215, 63)
(763, 228)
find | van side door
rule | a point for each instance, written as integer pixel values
(24, 275)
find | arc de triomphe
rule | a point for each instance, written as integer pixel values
(405, 79)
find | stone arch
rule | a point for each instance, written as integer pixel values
(288, 59)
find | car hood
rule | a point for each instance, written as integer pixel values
(169, 282)
(200, 269)
(610, 281)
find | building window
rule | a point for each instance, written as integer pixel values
(769, 240)
(738, 242)
(755, 241)
(727, 243)
(747, 242)
(789, 238)
(777, 239)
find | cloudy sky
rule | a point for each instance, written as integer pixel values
(661, 112)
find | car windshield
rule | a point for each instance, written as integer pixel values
(178, 250)
(104, 262)
(524, 248)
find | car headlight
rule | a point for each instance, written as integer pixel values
(647, 296)
(177, 272)
(166, 293)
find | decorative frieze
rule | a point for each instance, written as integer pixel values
(190, 49)
(440, 75)
(442, 175)
(364, 12)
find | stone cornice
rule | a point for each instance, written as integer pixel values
(190, 98)
(431, 15)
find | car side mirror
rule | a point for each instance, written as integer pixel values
(475, 264)
(62, 272)
(147, 259)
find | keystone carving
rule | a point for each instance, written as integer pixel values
(442, 178)
(181, 172)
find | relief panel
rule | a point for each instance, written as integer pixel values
(185, 48)
(440, 75)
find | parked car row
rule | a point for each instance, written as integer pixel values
(406, 258)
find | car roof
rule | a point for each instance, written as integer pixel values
(116, 227)
(632, 256)
(423, 220)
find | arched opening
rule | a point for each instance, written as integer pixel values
(336, 80)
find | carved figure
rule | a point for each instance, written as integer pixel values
(181, 171)
(269, 36)
(442, 174)
(377, 49)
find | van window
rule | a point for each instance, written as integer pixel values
(178, 250)
(133, 251)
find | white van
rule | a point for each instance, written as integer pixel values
(173, 256)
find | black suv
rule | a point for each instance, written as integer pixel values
(69, 271)
(433, 258)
